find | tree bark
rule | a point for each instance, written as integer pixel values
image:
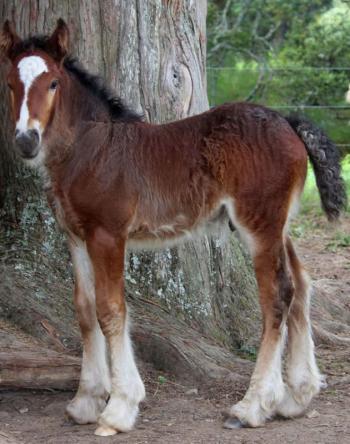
(153, 54)
(25, 363)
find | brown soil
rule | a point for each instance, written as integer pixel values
(172, 414)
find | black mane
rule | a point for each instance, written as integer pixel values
(94, 83)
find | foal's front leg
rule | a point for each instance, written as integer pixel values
(127, 389)
(94, 385)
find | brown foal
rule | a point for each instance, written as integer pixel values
(113, 180)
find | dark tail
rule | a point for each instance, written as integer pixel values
(325, 159)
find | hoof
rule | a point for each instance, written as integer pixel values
(120, 414)
(234, 423)
(105, 431)
(85, 409)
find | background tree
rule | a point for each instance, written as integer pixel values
(255, 30)
(154, 54)
(283, 54)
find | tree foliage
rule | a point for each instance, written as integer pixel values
(283, 53)
(325, 44)
(257, 29)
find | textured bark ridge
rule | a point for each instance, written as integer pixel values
(26, 363)
(153, 54)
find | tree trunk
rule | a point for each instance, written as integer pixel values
(153, 54)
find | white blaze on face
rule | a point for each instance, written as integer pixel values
(29, 69)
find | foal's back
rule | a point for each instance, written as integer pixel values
(239, 155)
(163, 181)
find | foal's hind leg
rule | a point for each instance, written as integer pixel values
(94, 385)
(303, 377)
(266, 389)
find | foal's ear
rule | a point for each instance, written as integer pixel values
(8, 39)
(58, 43)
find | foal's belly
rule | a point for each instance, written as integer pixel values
(175, 231)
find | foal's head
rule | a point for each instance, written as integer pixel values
(34, 84)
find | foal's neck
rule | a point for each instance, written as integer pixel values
(81, 104)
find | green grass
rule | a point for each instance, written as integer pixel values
(340, 240)
(247, 352)
(311, 221)
(346, 174)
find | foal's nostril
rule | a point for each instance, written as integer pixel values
(27, 143)
(33, 134)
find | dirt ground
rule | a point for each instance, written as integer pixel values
(174, 413)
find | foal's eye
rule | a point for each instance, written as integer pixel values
(10, 86)
(53, 85)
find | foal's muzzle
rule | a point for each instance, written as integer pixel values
(27, 143)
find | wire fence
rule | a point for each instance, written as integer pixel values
(265, 85)
(281, 68)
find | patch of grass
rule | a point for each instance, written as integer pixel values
(310, 200)
(161, 379)
(311, 220)
(247, 352)
(331, 392)
(340, 240)
(306, 223)
(346, 175)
